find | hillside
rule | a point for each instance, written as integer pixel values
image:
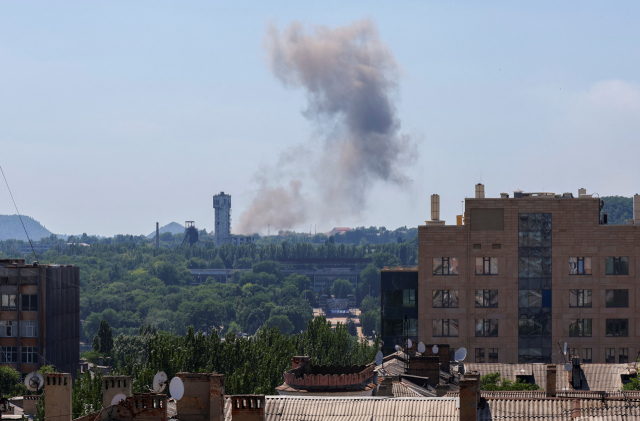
(11, 228)
(618, 209)
(173, 228)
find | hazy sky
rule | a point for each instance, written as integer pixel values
(115, 115)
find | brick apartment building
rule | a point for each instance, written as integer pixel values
(520, 276)
(39, 316)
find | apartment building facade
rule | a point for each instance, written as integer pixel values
(520, 276)
(39, 316)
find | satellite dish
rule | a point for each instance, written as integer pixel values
(567, 367)
(409, 343)
(397, 347)
(460, 354)
(565, 348)
(117, 398)
(421, 348)
(435, 349)
(160, 381)
(34, 381)
(176, 388)
(379, 358)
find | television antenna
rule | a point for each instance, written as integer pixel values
(117, 398)
(34, 381)
(434, 349)
(176, 388)
(159, 381)
(421, 348)
(379, 358)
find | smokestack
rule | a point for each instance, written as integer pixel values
(435, 207)
(157, 235)
(479, 191)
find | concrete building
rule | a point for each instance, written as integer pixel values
(518, 275)
(222, 232)
(398, 306)
(39, 316)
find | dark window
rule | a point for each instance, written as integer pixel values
(587, 355)
(496, 247)
(445, 265)
(486, 298)
(487, 327)
(445, 298)
(486, 265)
(399, 298)
(617, 297)
(579, 265)
(580, 298)
(30, 355)
(617, 266)
(618, 327)
(580, 327)
(30, 302)
(8, 354)
(445, 327)
(623, 357)
(479, 355)
(493, 355)
(8, 302)
(610, 355)
(477, 246)
(539, 324)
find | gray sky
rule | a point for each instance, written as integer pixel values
(115, 115)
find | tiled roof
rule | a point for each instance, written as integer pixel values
(525, 409)
(403, 390)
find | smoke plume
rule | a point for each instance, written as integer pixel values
(350, 78)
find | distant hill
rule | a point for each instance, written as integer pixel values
(618, 209)
(173, 228)
(11, 228)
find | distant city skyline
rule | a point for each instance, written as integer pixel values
(117, 115)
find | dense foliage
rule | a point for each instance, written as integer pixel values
(492, 382)
(618, 209)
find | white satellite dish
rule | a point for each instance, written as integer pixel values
(34, 381)
(117, 398)
(460, 354)
(435, 349)
(567, 367)
(379, 358)
(397, 347)
(159, 381)
(176, 388)
(421, 348)
(565, 348)
(409, 343)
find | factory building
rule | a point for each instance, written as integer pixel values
(39, 316)
(518, 276)
(222, 206)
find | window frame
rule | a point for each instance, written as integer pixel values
(610, 355)
(8, 351)
(583, 328)
(618, 266)
(10, 326)
(29, 328)
(616, 302)
(449, 266)
(581, 293)
(8, 306)
(29, 355)
(493, 355)
(486, 296)
(487, 328)
(479, 355)
(487, 266)
(618, 330)
(623, 354)
(447, 323)
(446, 294)
(574, 266)
(33, 302)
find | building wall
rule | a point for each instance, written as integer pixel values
(575, 231)
(222, 206)
(398, 298)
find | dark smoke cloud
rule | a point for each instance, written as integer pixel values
(350, 77)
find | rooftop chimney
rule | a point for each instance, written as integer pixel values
(582, 191)
(435, 211)
(469, 396)
(57, 387)
(479, 191)
(551, 381)
(636, 209)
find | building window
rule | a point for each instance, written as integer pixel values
(479, 355)
(486, 265)
(493, 355)
(617, 266)
(8, 328)
(534, 298)
(580, 298)
(445, 265)
(29, 354)
(486, 298)
(579, 265)
(580, 327)
(445, 298)
(8, 302)
(573, 352)
(618, 327)
(399, 298)
(487, 327)
(29, 328)
(610, 355)
(588, 357)
(617, 297)
(8, 354)
(30, 302)
(623, 357)
(445, 327)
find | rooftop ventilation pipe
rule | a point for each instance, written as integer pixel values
(479, 191)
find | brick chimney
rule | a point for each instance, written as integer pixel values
(247, 407)
(443, 354)
(426, 366)
(576, 410)
(386, 387)
(469, 396)
(551, 380)
(203, 398)
(114, 385)
(57, 405)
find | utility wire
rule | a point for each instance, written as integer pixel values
(20, 216)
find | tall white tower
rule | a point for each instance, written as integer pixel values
(222, 205)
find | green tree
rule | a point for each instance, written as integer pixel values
(282, 322)
(492, 382)
(86, 393)
(341, 288)
(9, 381)
(351, 327)
(370, 321)
(105, 338)
(370, 281)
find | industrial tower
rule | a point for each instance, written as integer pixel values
(222, 205)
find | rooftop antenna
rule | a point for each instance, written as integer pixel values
(34, 381)
(19, 216)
